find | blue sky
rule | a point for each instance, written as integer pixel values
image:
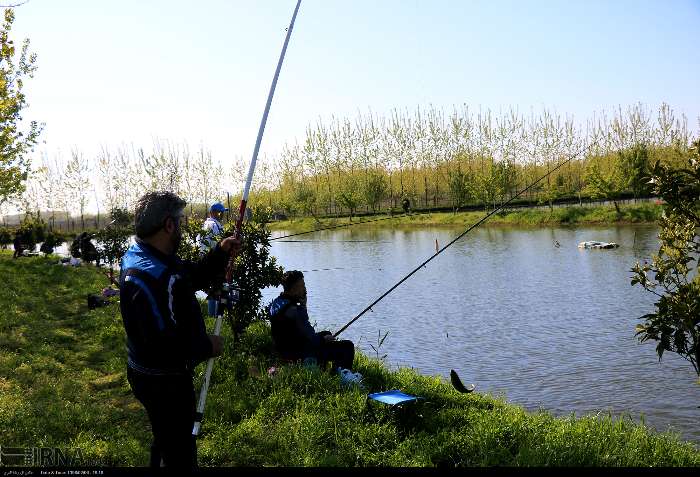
(129, 71)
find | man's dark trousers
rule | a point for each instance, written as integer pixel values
(170, 403)
(340, 352)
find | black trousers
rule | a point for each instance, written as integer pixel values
(341, 353)
(170, 404)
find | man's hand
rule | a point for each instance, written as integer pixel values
(231, 245)
(217, 345)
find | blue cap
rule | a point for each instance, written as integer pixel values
(218, 207)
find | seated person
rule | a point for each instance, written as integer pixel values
(75, 247)
(294, 336)
(17, 244)
(46, 247)
(88, 252)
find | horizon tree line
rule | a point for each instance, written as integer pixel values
(433, 158)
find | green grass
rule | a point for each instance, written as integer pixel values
(637, 213)
(63, 384)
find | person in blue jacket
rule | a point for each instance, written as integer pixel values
(165, 331)
(295, 338)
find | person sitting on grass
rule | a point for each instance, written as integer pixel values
(88, 252)
(17, 244)
(295, 338)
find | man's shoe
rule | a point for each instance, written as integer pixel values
(349, 378)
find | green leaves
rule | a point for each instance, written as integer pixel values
(15, 143)
(676, 323)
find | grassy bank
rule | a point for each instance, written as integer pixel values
(62, 383)
(638, 213)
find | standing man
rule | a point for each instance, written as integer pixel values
(211, 230)
(165, 332)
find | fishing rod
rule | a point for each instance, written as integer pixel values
(469, 229)
(239, 223)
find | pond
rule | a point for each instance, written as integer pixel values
(547, 327)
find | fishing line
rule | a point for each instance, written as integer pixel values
(338, 226)
(472, 227)
(336, 241)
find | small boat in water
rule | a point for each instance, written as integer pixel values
(597, 245)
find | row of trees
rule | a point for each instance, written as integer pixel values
(372, 163)
(466, 157)
(65, 186)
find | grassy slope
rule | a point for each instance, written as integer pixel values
(640, 213)
(62, 383)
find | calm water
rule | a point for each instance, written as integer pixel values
(546, 327)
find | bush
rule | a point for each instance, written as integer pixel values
(112, 243)
(6, 236)
(675, 324)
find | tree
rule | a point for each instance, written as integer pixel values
(15, 142)
(459, 187)
(375, 189)
(606, 179)
(113, 240)
(78, 182)
(349, 196)
(635, 165)
(675, 324)
(304, 198)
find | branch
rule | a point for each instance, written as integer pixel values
(14, 4)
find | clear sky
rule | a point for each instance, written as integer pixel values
(127, 71)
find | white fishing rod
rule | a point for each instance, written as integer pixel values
(239, 222)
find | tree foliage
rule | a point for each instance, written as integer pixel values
(15, 141)
(255, 267)
(675, 324)
(113, 240)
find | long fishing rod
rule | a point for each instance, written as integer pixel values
(239, 222)
(471, 227)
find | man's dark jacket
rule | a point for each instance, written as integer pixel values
(292, 333)
(164, 326)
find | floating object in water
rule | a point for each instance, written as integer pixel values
(457, 383)
(557, 244)
(597, 245)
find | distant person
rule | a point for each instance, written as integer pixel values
(165, 332)
(406, 205)
(88, 252)
(46, 247)
(296, 339)
(212, 230)
(17, 245)
(75, 248)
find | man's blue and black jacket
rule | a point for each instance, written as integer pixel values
(292, 333)
(165, 330)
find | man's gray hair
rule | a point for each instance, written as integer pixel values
(153, 209)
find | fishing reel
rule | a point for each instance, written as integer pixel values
(227, 296)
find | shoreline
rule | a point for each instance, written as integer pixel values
(644, 213)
